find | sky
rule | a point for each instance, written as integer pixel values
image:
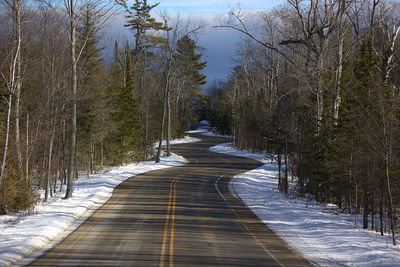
(219, 45)
(217, 6)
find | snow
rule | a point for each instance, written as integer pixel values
(26, 236)
(185, 140)
(200, 130)
(318, 231)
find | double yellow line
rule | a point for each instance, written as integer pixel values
(170, 217)
(170, 220)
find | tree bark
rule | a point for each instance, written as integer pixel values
(339, 70)
(366, 208)
(18, 85)
(7, 133)
(166, 104)
(71, 159)
(161, 131)
(286, 181)
(387, 175)
(27, 148)
(49, 161)
(168, 137)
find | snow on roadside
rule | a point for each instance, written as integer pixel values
(23, 235)
(315, 230)
(185, 140)
(200, 130)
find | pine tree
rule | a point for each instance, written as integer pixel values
(189, 81)
(190, 61)
(127, 116)
(140, 21)
(90, 87)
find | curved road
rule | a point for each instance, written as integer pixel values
(182, 216)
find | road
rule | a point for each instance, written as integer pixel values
(182, 216)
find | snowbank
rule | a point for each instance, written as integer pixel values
(315, 230)
(185, 140)
(22, 235)
(200, 130)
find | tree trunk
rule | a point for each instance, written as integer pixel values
(381, 208)
(71, 159)
(357, 208)
(366, 208)
(339, 70)
(49, 161)
(27, 148)
(286, 181)
(168, 123)
(161, 131)
(101, 154)
(64, 154)
(165, 106)
(17, 116)
(387, 174)
(91, 162)
(7, 134)
(372, 211)
(17, 83)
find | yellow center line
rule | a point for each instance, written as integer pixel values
(171, 216)
(171, 240)
(164, 243)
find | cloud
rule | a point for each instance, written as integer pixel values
(218, 6)
(220, 44)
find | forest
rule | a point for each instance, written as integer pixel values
(317, 84)
(66, 110)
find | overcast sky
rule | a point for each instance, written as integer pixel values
(219, 45)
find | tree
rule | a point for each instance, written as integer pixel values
(140, 20)
(324, 99)
(13, 81)
(73, 9)
(91, 85)
(127, 117)
(188, 78)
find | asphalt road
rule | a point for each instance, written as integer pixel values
(182, 216)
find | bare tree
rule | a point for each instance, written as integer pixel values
(102, 10)
(13, 81)
(168, 47)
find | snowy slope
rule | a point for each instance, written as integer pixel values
(21, 235)
(315, 230)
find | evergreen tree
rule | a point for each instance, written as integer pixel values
(90, 86)
(126, 115)
(190, 61)
(188, 82)
(140, 21)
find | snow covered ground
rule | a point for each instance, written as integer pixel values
(315, 230)
(185, 140)
(23, 234)
(324, 236)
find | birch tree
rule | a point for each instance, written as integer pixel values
(74, 9)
